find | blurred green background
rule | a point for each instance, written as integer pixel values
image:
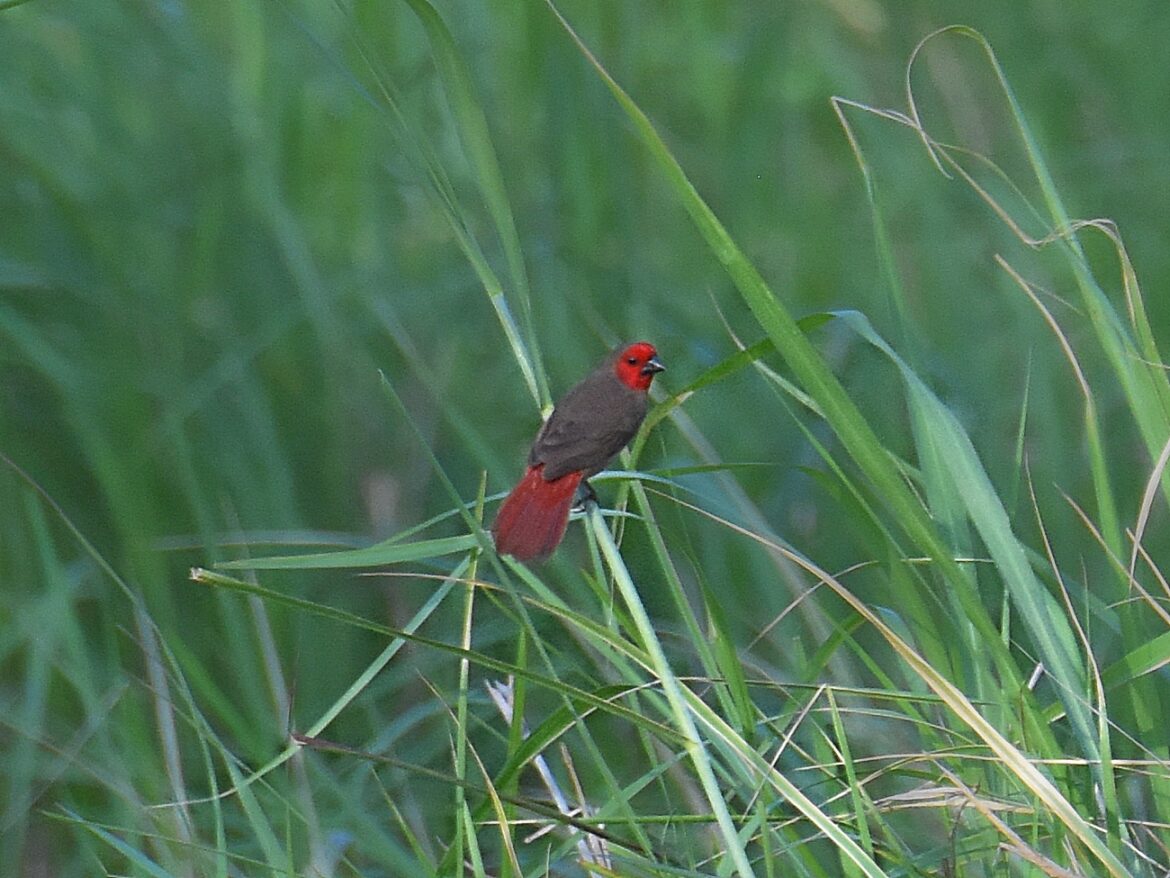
(215, 231)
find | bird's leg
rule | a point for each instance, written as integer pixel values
(584, 496)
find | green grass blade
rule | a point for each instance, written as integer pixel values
(387, 552)
(955, 459)
(131, 853)
(1018, 764)
(359, 685)
(673, 690)
(477, 145)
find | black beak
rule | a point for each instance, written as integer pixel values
(653, 365)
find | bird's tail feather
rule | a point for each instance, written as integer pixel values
(532, 519)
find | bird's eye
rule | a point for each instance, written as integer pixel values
(633, 361)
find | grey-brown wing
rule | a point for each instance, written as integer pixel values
(587, 428)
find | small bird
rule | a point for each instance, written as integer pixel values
(590, 424)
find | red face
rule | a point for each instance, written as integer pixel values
(637, 365)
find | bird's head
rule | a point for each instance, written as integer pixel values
(637, 364)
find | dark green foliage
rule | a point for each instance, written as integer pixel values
(289, 278)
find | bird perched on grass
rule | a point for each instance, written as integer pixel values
(589, 425)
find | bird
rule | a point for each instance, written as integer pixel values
(591, 423)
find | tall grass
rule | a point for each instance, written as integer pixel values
(877, 591)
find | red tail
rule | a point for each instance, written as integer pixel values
(532, 519)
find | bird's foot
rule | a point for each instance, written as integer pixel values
(584, 496)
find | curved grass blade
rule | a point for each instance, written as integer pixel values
(477, 146)
(1015, 761)
(386, 552)
(942, 439)
(673, 690)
